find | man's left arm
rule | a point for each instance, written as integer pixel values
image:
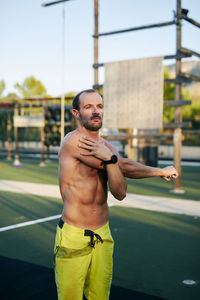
(135, 170)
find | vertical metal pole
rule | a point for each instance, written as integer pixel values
(96, 41)
(63, 77)
(178, 110)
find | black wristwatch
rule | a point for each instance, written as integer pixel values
(113, 160)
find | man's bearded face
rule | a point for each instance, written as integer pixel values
(91, 111)
(93, 122)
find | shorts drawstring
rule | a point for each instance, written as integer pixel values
(92, 234)
(87, 232)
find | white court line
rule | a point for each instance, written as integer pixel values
(34, 222)
(29, 223)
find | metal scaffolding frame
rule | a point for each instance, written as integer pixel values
(181, 52)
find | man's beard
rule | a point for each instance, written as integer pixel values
(91, 126)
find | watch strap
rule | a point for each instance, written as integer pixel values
(112, 160)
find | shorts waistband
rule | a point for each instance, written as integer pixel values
(61, 223)
(99, 230)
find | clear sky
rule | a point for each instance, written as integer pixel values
(31, 38)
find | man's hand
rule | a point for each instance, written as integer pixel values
(95, 148)
(100, 150)
(169, 173)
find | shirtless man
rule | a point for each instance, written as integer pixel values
(84, 245)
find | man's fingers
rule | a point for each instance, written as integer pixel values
(87, 153)
(88, 138)
(87, 142)
(85, 146)
(175, 175)
(166, 178)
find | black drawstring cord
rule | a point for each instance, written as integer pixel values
(92, 234)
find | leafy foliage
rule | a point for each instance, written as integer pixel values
(2, 87)
(31, 87)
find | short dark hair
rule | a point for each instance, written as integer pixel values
(76, 101)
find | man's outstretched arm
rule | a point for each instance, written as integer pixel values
(132, 169)
(135, 170)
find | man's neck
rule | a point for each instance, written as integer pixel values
(92, 134)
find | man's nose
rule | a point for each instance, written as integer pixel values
(95, 109)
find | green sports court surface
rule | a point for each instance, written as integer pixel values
(154, 252)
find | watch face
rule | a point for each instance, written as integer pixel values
(114, 159)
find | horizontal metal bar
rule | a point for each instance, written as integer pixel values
(97, 86)
(175, 125)
(190, 77)
(188, 51)
(190, 20)
(176, 103)
(197, 131)
(30, 105)
(183, 78)
(177, 80)
(95, 66)
(53, 3)
(131, 136)
(46, 99)
(135, 28)
(179, 55)
(58, 123)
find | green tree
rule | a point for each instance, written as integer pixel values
(2, 87)
(31, 87)
(189, 112)
(169, 94)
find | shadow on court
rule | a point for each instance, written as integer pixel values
(21, 280)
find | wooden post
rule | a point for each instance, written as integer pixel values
(178, 109)
(135, 145)
(42, 163)
(16, 161)
(9, 139)
(96, 41)
(130, 143)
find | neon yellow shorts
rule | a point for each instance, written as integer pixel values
(83, 262)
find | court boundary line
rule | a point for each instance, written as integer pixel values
(42, 220)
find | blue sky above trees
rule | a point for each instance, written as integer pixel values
(31, 38)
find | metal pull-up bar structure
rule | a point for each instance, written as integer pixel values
(181, 52)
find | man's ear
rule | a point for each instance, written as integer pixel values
(75, 113)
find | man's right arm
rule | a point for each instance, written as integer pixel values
(70, 148)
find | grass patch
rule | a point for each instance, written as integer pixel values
(30, 172)
(154, 252)
(18, 208)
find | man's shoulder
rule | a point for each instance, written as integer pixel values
(72, 138)
(70, 142)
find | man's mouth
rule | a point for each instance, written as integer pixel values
(96, 118)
